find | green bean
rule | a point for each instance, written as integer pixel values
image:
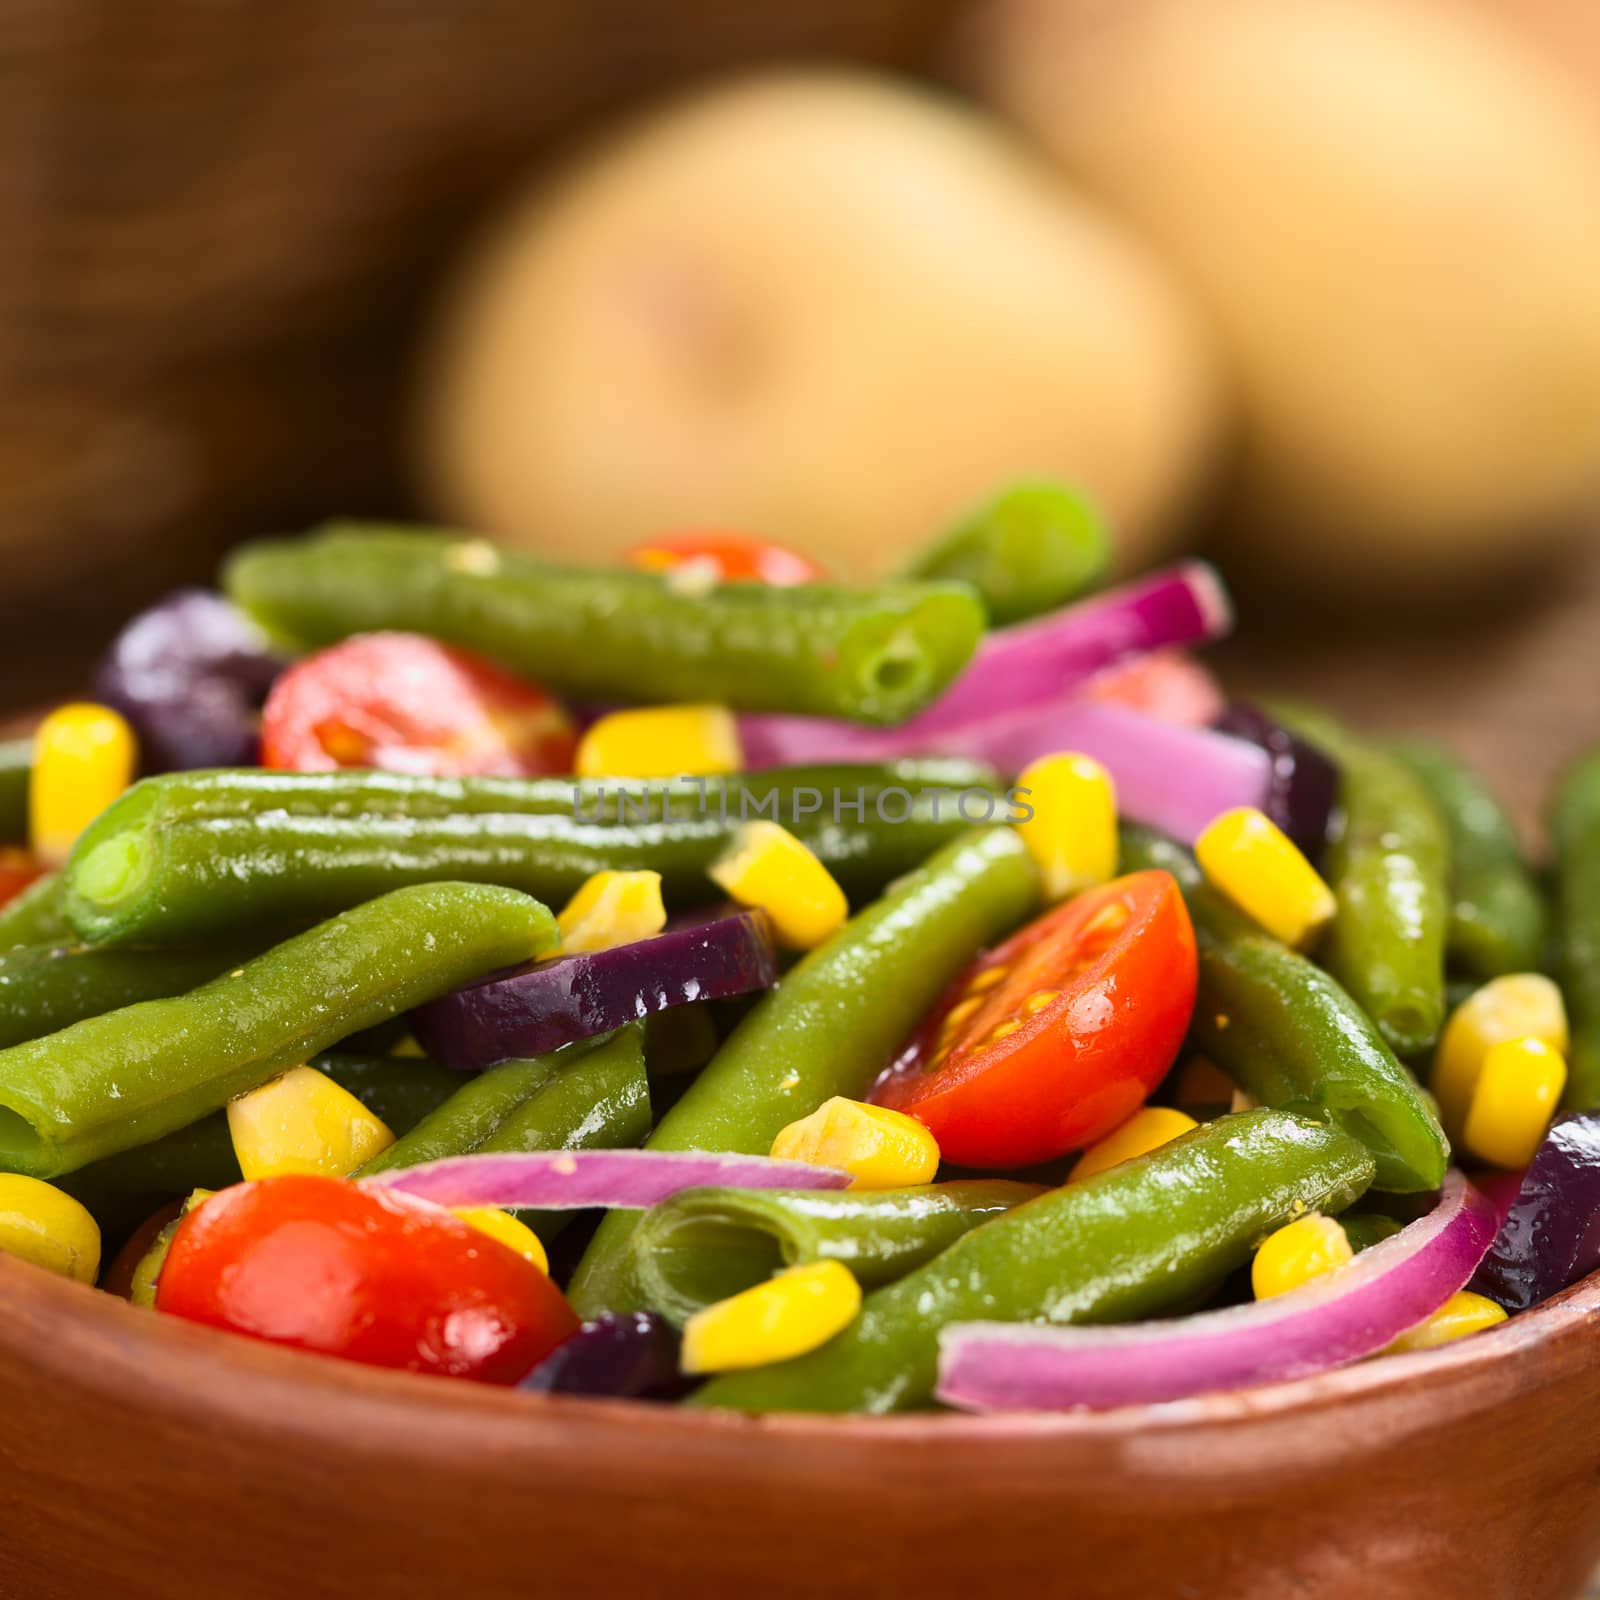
(111, 1082)
(1285, 1030)
(832, 1024)
(1390, 869)
(1032, 547)
(36, 916)
(1575, 831)
(44, 988)
(151, 870)
(1142, 1238)
(706, 1244)
(122, 1190)
(16, 773)
(1497, 914)
(1370, 1228)
(606, 633)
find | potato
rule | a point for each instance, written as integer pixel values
(1392, 211)
(821, 308)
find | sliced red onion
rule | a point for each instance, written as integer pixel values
(190, 675)
(1550, 1233)
(1333, 1320)
(532, 1009)
(1305, 781)
(1171, 778)
(573, 1180)
(1039, 661)
(629, 1356)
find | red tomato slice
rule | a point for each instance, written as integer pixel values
(363, 1274)
(1049, 1042)
(17, 870)
(404, 703)
(1167, 684)
(726, 558)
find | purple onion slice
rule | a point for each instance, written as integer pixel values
(529, 1010)
(629, 1356)
(190, 675)
(1550, 1234)
(1305, 782)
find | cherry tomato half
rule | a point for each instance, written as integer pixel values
(409, 704)
(17, 870)
(1050, 1041)
(727, 558)
(364, 1274)
(1167, 684)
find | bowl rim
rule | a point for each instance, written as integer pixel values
(96, 1339)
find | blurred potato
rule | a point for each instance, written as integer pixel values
(1392, 212)
(818, 307)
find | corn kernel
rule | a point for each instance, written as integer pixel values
(303, 1122)
(612, 908)
(1072, 834)
(661, 742)
(46, 1226)
(879, 1148)
(1522, 1005)
(1250, 859)
(1298, 1252)
(764, 865)
(1146, 1130)
(792, 1313)
(508, 1230)
(1460, 1315)
(1516, 1095)
(83, 757)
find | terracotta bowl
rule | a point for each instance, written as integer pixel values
(141, 1458)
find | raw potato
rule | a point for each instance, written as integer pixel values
(821, 308)
(1392, 210)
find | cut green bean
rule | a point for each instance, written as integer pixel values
(1142, 1238)
(122, 1190)
(38, 915)
(44, 988)
(16, 774)
(1032, 547)
(1287, 1033)
(1575, 832)
(125, 1078)
(607, 633)
(1389, 868)
(155, 868)
(832, 1024)
(1497, 914)
(706, 1244)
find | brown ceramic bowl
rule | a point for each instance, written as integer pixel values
(141, 1457)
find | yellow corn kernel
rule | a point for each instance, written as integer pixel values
(661, 742)
(303, 1122)
(1522, 1005)
(1146, 1130)
(1298, 1252)
(84, 756)
(1250, 859)
(1072, 834)
(879, 1148)
(46, 1226)
(764, 865)
(1460, 1315)
(504, 1227)
(612, 908)
(1513, 1101)
(777, 1320)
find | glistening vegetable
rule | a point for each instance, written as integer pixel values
(1135, 1241)
(875, 655)
(119, 1080)
(832, 1024)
